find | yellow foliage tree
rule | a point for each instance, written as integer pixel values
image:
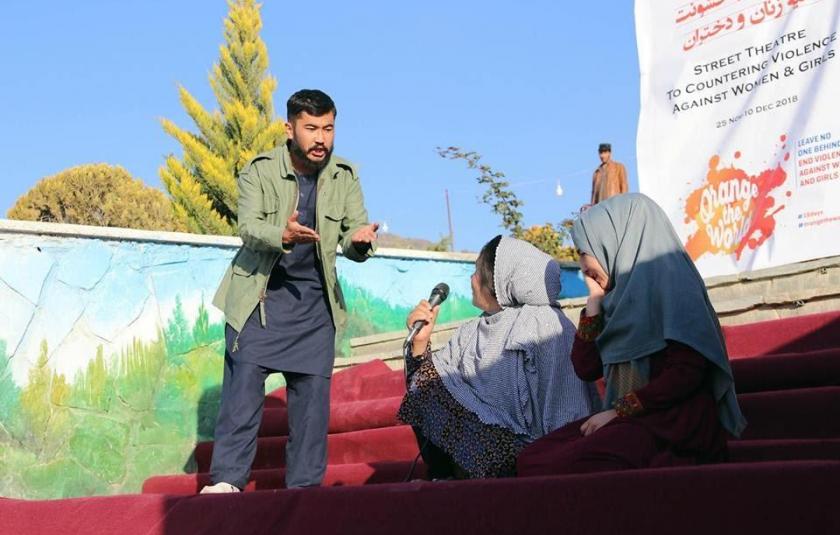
(548, 239)
(202, 183)
(97, 194)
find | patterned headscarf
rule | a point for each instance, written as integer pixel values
(513, 368)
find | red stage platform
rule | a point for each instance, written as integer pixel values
(783, 476)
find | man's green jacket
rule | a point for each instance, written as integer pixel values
(268, 194)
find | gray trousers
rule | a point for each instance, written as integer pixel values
(243, 396)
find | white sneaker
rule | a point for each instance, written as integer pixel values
(219, 488)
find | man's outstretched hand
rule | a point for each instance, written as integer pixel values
(297, 233)
(366, 234)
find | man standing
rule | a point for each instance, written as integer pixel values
(610, 178)
(281, 297)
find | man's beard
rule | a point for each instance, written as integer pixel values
(303, 157)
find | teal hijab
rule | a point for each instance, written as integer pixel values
(656, 294)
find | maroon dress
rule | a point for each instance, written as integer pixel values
(671, 420)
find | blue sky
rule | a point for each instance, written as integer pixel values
(533, 86)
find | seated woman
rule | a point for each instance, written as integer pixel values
(649, 329)
(505, 378)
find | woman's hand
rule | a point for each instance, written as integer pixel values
(422, 312)
(596, 295)
(597, 421)
(592, 285)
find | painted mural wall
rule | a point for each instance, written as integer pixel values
(111, 353)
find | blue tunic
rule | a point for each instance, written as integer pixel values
(299, 335)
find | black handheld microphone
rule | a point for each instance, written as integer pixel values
(438, 296)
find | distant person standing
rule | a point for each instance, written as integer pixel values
(610, 178)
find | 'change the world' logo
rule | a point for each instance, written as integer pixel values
(733, 210)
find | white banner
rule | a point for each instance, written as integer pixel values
(739, 131)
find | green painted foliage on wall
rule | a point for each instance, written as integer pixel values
(118, 422)
(370, 314)
(126, 417)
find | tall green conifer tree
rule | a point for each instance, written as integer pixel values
(202, 183)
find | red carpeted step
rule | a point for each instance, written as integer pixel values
(798, 413)
(386, 444)
(773, 497)
(789, 370)
(789, 335)
(784, 450)
(273, 478)
(383, 386)
(345, 385)
(344, 417)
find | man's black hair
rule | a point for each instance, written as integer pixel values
(312, 101)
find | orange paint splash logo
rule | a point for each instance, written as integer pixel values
(733, 210)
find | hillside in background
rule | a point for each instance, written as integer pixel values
(395, 241)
